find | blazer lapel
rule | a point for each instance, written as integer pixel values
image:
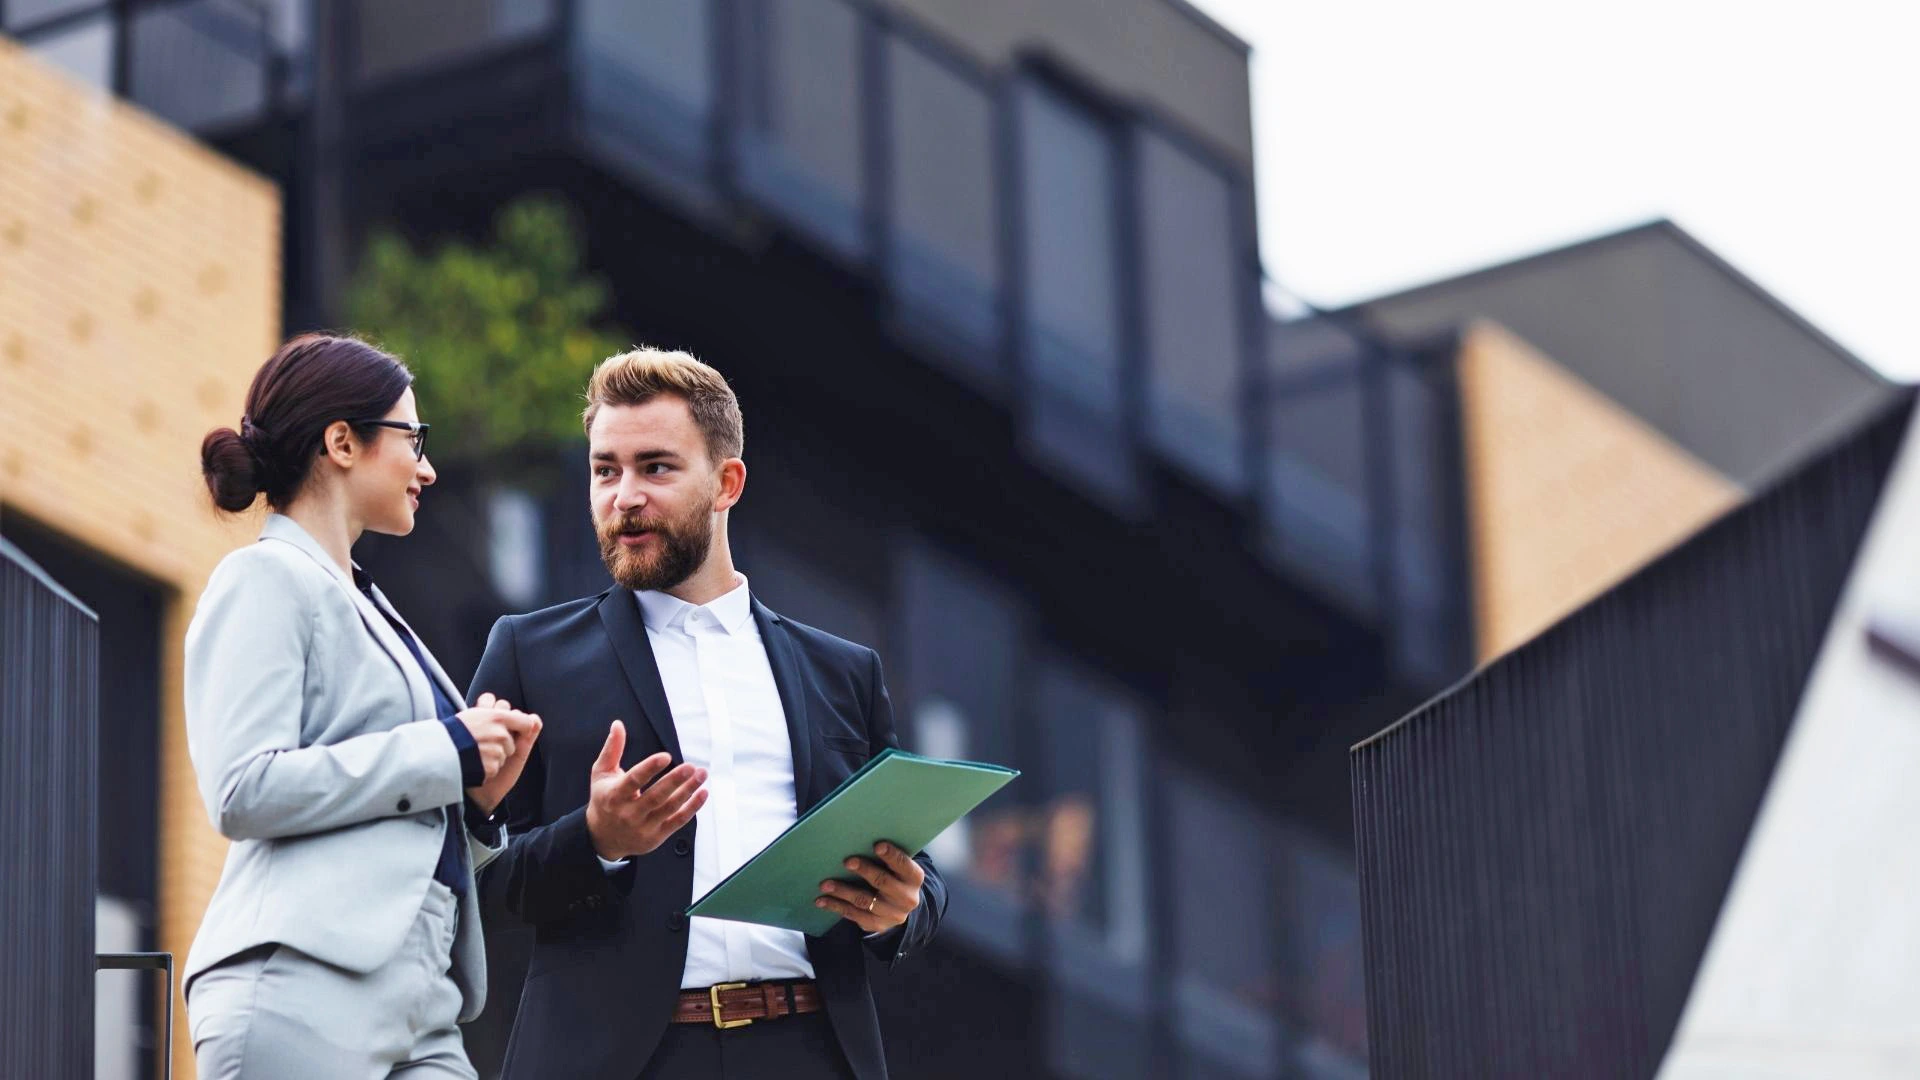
(285, 529)
(434, 670)
(782, 658)
(620, 614)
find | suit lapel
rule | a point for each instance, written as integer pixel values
(782, 658)
(285, 529)
(620, 614)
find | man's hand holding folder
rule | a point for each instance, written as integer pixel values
(895, 804)
(891, 892)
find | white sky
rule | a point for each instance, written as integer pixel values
(1401, 141)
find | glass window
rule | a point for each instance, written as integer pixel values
(203, 65)
(800, 112)
(24, 14)
(83, 49)
(943, 257)
(1326, 989)
(516, 547)
(1070, 254)
(1316, 499)
(956, 693)
(1226, 988)
(1429, 643)
(1196, 286)
(1089, 835)
(1093, 877)
(290, 22)
(645, 79)
(392, 39)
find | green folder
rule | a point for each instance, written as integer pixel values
(898, 797)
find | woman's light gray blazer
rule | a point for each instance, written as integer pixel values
(313, 735)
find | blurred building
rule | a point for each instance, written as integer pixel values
(985, 279)
(139, 290)
(1617, 395)
(984, 275)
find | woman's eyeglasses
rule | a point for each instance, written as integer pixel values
(416, 432)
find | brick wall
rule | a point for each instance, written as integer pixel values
(139, 291)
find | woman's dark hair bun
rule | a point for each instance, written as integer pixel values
(310, 382)
(231, 469)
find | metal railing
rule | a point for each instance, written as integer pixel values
(146, 961)
(49, 709)
(1544, 849)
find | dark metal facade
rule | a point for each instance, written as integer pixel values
(1544, 849)
(49, 649)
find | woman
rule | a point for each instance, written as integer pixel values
(344, 938)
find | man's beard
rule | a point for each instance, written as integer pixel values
(679, 549)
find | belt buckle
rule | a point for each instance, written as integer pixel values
(713, 995)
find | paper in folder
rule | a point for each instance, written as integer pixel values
(899, 797)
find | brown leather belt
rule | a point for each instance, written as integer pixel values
(732, 1005)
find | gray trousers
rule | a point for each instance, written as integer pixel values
(279, 1013)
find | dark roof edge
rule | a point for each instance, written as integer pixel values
(1211, 25)
(1902, 400)
(1733, 272)
(1657, 225)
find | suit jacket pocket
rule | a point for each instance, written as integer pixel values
(846, 744)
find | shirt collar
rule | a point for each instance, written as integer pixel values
(730, 611)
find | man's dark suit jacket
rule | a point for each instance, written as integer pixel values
(609, 950)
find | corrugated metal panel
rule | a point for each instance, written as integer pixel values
(49, 655)
(1543, 850)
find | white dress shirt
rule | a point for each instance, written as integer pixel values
(727, 713)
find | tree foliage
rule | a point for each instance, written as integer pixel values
(500, 339)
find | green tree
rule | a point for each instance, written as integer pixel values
(500, 339)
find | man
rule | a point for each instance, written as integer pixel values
(686, 726)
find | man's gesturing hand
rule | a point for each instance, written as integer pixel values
(625, 815)
(889, 893)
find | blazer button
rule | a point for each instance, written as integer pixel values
(676, 922)
(681, 846)
(405, 805)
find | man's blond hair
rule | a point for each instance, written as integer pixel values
(639, 376)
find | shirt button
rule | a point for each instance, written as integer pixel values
(676, 922)
(681, 847)
(405, 805)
